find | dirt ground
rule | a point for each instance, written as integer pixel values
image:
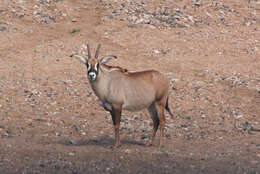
(51, 121)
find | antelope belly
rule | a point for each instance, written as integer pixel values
(135, 106)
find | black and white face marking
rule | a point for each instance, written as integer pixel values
(93, 68)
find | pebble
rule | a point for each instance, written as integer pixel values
(72, 142)
(144, 137)
(71, 153)
(76, 127)
(157, 51)
(57, 167)
(42, 164)
(2, 28)
(170, 16)
(187, 117)
(46, 21)
(128, 151)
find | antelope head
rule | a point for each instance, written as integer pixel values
(93, 64)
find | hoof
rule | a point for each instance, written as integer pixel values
(148, 144)
(161, 146)
(116, 146)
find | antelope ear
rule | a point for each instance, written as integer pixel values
(106, 59)
(80, 58)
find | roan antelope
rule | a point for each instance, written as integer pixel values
(120, 89)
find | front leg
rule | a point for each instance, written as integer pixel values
(116, 117)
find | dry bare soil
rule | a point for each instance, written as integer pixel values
(51, 122)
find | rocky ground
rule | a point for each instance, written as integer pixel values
(51, 122)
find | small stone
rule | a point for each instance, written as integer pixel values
(74, 172)
(71, 154)
(135, 117)
(2, 28)
(110, 16)
(74, 20)
(128, 151)
(157, 51)
(72, 142)
(197, 88)
(170, 126)
(128, 127)
(148, 21)
(58, 134)
(140, 21)
(196, 3)
(76, 127)
(191, 19)
(187, 117)
(144, 137)
(248, 23)
(21, 16)
(46, 21)
(42, 164)
(132, 18)
(57, 167)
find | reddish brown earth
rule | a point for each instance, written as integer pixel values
(51, 122)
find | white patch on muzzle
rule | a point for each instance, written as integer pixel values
(92, 75)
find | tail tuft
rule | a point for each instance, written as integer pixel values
(167, 107)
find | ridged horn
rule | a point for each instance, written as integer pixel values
(97, 52)
(89, 55)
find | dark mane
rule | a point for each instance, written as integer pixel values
(123, 70)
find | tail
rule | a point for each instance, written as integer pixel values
(167, 107)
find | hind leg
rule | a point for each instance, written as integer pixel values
(153, 113)
(116, 117)
(160, 110)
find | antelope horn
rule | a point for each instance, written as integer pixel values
(89, 55)
(97, 52)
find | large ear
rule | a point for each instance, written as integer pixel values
(106, 59)
(80, 58)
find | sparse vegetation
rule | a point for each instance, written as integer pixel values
(131, 26)
(75, 31)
